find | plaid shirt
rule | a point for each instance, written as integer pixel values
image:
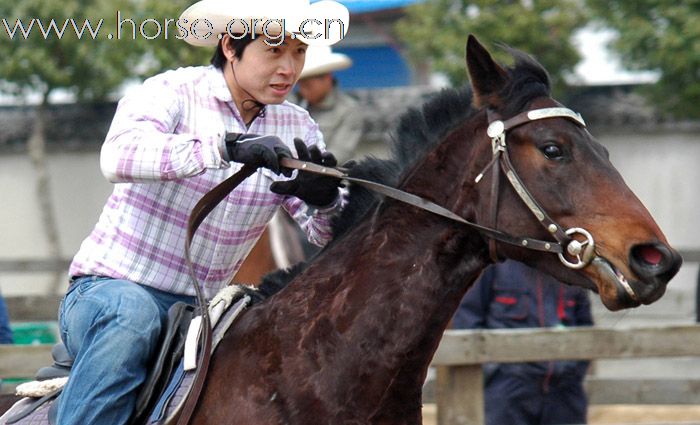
(164, 151)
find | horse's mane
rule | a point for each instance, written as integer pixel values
(417, 132)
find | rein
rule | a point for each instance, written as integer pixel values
(422, 203)
(564, 244)
(200, 211)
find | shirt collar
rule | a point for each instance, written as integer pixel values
(218, 87)
(219, 90)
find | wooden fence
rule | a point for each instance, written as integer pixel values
(459, 359)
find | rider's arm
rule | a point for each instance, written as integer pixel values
(148, 141)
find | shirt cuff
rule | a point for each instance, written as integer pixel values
(214, 152)
(337, 203)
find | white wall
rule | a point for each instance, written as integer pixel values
(79, 192)
(662, 169)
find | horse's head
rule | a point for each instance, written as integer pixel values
(617, 247)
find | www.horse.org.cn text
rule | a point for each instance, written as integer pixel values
(274, 31)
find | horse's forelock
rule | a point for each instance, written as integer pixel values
(528, 81)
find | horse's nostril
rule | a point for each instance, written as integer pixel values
(649, 254)
(655, 261)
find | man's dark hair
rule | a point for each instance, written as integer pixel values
(238, 44)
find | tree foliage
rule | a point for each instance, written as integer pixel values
(47, 45)
(435, 32)
(96, 62)
(659, 35)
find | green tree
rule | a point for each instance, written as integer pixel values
(118, 40)
(435, 32)
(659, 35)
(75, 46)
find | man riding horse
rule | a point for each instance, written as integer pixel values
(171, 141)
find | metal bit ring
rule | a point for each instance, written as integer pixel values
(583, 251)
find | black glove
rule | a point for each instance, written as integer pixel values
(314, 189)
(258, 151)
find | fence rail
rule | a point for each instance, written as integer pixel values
(22, 361)
(33, 308)
(459, 359)
(33, 265)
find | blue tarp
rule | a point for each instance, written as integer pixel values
(373, 67)
(364, 6)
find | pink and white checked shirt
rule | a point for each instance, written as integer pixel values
(164, 152)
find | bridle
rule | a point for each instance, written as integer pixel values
(564, 244)
(583, 251)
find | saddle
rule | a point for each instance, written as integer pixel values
(164, 392)
(50, 379)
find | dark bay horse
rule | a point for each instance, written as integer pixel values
(350, 339)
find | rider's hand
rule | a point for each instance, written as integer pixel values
(258, 151)
(314, 189)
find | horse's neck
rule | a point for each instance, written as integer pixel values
(392, 293)
(366, 316)
(388, 291)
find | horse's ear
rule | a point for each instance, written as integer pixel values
(486, 75)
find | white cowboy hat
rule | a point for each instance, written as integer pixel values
(322, 23)
(322, 60)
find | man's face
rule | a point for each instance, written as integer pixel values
(315, 89)
(266, 72)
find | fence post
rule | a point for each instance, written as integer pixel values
(459, 395)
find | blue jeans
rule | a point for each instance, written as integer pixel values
(111, 328)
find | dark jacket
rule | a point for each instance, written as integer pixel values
(5, 332)
(513, 295)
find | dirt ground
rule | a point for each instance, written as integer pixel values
(641, 414)
(620, 415)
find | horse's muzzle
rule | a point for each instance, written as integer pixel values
(655, 264)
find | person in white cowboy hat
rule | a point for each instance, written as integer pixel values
(341, 121)
(338, 114)
(171, 141)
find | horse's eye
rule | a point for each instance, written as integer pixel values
(552, 151)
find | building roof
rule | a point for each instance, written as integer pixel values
(366, 6)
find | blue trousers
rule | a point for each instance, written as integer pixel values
(5, 331)
(111, 328)
(524, 400)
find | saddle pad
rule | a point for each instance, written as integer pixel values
(173, 399)
(40, 416)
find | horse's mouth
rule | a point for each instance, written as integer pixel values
(621, 294)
